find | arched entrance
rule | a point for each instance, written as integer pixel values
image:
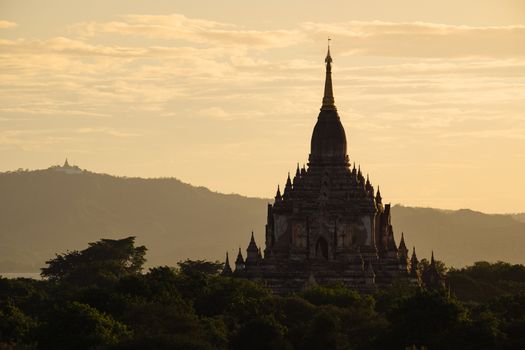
(321, 248)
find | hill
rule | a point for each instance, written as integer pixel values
(461, 237)
(45, 212)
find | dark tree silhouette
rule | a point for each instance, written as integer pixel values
(104, 261)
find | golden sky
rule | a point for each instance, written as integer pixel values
(225, 94)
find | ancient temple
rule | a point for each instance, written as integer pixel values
(328, 224)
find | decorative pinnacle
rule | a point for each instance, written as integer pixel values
(402, 245)
(328, 98)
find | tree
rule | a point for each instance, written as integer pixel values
(324, 331)
(200, 266)
(14, 324)
(80, 326)
(263, 333)
(104, 261)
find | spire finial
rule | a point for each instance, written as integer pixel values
(328, 57)
(328, 98)
(432, 262)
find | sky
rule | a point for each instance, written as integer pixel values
(226, 94)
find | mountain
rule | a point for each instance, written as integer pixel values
(51, 211)
(461, 237)
(47, 211)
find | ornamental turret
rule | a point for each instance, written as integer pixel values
(226, 270)
(297, 178)
(403, 251)
(252, 252)
(379, 199)
(239, 262)
(287, 188)
(431, 277)
(414, 266)
(278, 196)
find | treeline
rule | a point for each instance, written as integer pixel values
(98, 298)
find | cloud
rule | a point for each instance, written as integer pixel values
(368, 38)
(180, 27)
(106, 131)
(426, 79)
(518, 134)
(7, 24)
(418, 39)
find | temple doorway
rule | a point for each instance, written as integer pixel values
(321, 248)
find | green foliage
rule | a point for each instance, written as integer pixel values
(193, 307)
(484, 281)
(102, 262)
(80, 326)
(261, 333)
(424, 318)
(15, 326)
(337, 295)
(324, 332)
(200, 266)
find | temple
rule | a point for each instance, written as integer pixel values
(329, 224)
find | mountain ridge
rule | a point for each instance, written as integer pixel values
(43, 212)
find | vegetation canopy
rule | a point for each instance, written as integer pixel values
(99, 298)
(103, 261)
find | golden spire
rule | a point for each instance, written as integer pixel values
(328, 98)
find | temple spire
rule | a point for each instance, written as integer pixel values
(328, 98)
(227, 270)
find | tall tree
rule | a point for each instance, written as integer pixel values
(104, 261)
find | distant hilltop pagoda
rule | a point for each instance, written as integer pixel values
(68, 169)
(328, 224)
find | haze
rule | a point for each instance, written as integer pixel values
(225, 94)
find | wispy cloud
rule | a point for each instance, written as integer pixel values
(418, 39)
(375, 38)
(178, 26)
(7, 24)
